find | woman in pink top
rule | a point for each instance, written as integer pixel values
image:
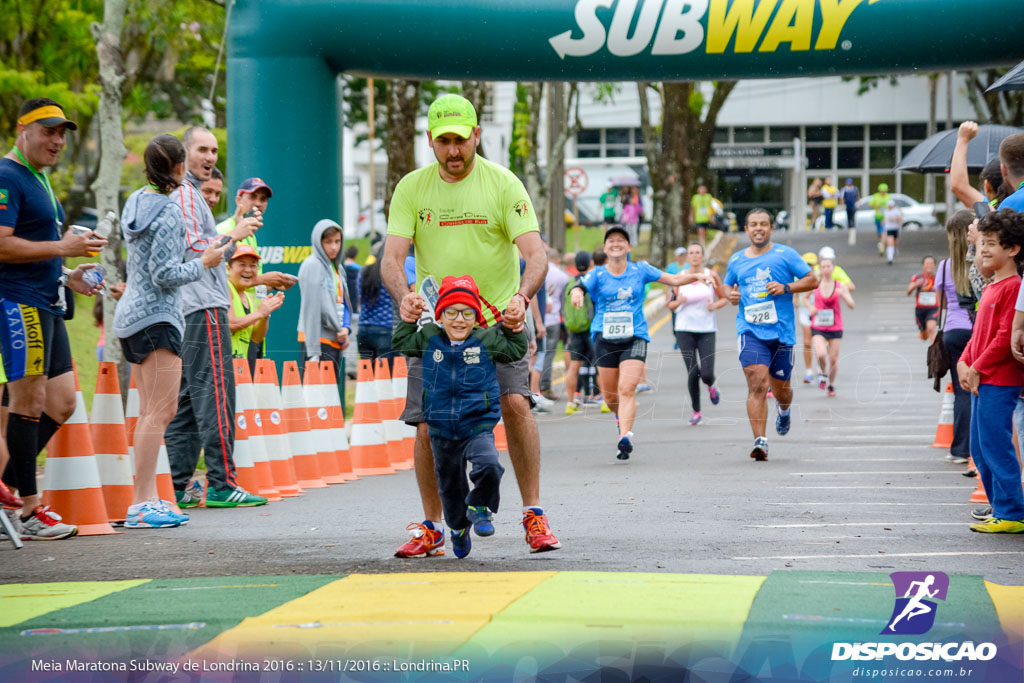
(827, 323)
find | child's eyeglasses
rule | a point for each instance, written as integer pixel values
(453, 313)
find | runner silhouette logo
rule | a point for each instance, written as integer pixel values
(914, 611)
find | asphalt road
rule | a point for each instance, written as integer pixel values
(855, 486)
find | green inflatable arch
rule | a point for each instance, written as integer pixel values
(284, 57)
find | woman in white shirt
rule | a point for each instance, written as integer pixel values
(695, 305)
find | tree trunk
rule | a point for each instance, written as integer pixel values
(108, 180)
(557, 123)
(933, 94)
(403, 106)
(476, 93)
(535, 186)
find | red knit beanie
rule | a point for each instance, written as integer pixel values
(459, 289)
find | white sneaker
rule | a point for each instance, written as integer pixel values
(46, 525)
(541, 404)
(955, 460)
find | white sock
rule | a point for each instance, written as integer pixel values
(890, 252)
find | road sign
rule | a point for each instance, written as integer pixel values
(575, 181)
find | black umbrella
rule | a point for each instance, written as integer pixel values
(934, 154)
(1011, 80)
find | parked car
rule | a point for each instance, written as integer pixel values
(916, 216)
(362, 226)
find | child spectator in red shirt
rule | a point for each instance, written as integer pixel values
(988, 370)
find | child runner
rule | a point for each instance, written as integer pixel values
(988, 370)
(926, 304)
(827, 323)
(461, 404)
(695, 326)
(619, 328)
(148, 319)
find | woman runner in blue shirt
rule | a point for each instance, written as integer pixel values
(619, 328)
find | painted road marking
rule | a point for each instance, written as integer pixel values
(833, 474)
(881, 502)
(881, 555)
(194, 626)
(859, 620)
(825, 524)
(877, 488)
(25, 601)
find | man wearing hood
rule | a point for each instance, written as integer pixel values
(206, 401)
(325, 313)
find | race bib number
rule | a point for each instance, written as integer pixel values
(928, 299)
(825, 318)
(761, 314)
(618, 325)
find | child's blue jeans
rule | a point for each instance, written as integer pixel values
(450, 458)
(993, 451)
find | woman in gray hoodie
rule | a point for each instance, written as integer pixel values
(148, 319)
(325, 314)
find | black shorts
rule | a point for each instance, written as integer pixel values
(923, 315)
(33, 342)
(137, 347)
(827, 334)
(611, 354)
(581, 348)
(895, 234)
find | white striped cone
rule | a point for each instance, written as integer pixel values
(245, 408)
(319, 424)
(400, 385)
(131, 415)
(368, 451)
(71, 483)
(164, 483)
(268, 403)
(390, 424)
(110, 442)
(296, 423)
(336, 417)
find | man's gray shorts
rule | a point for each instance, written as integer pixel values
(513, 378)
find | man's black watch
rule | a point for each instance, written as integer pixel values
(785, 288)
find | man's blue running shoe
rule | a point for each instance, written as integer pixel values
(462, 542)
(481, 518)
(148, 515)
(782, 424)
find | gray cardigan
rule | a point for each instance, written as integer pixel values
(154, 231)
(318, 315)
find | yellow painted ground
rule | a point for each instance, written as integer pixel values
(20, 602)
(397, 615)
(1009, 602)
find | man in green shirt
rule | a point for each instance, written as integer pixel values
(469, 216)
(254, 195)
(609, 202)
(700, 212)
(878, 201)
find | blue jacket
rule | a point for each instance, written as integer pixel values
(461, 396)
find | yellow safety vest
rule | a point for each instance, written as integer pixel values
(240, 339)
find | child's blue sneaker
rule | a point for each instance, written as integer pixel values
(461, 542)
(148, 515)
(481, 518)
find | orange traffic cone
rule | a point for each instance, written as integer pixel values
(268, 403)
(164, 482)
(369, 454)
(978, 495)
(336, 419)
(500, 438)
(71, 481)
(389, 414)
(248, 418)
(320, 424)
(109, 439)
(131, 415)
(400, 385)
(245, 466)
(944, 432)
(296, 426)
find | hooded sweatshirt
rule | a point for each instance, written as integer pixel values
(211, 290)
(154, 232)
(319, 279)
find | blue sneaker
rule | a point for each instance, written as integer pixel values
(462, 542)
(166, 505)
(149, 515)
(625, 446)
(643, 388)
(782, 424)
(481, 518)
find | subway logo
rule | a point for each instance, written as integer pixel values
(675, 27)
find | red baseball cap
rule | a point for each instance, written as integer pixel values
(250, 185)
(459, 289)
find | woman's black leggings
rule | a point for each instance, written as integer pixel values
(698, 349)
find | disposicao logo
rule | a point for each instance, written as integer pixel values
(673, 27)
(914, 613)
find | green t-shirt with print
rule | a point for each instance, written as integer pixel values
(465, 228)
(701, 204)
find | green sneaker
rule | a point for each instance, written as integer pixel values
(191, 497)
(232, 498)
(999, 526)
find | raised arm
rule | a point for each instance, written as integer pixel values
(959, 182)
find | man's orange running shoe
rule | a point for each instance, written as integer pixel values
(538, 533)
(425, 541)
